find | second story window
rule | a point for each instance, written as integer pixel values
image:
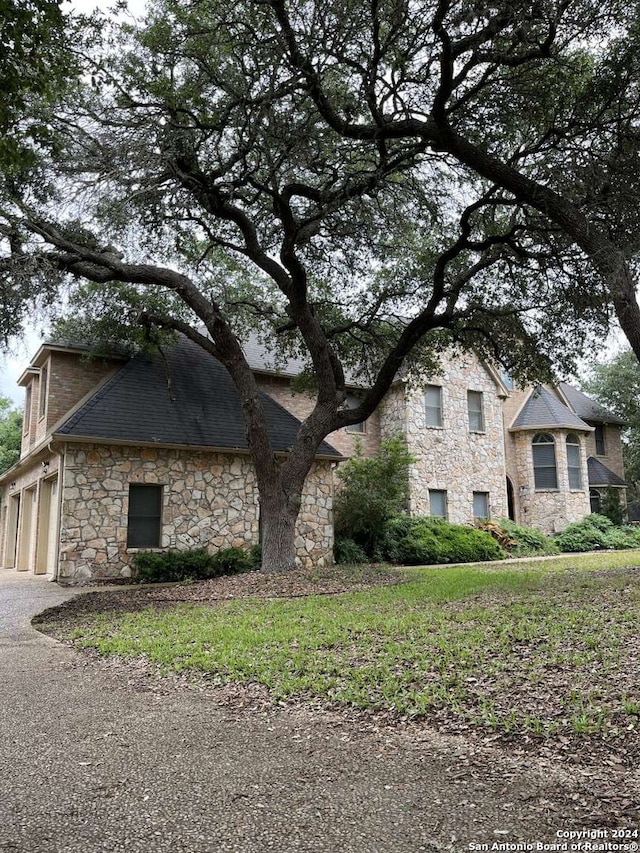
(601, 449)
(27, 408)
(353, 403)
(574, 467)
(545, 474)
(44, 379)
(433, 405)
(474, 405)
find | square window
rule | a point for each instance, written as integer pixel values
(144, 522)
(433, 405)
(481, 505)
(437, 503)
(474, 406)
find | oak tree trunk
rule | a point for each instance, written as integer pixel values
(278, 516)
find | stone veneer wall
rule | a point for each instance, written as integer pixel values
(451, 458)
(550, 510)
(209, 499)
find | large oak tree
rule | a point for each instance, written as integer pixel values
(207, 172)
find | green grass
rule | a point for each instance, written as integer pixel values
(543, 647)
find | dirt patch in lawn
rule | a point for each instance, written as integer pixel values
(331, 581)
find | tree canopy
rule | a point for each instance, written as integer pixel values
(362, 184)
(10, 434)
(616, 385)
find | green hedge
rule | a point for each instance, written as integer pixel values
(199, 564)
(412, 541)
(595, 532)
(347, 552)
(527, 542)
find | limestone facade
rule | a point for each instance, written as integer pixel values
(453, 458)
(208, 500)
(550, 510)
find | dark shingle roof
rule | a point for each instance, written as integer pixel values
(544, 410)
(600, 475)
(185, 398)
(588, 409)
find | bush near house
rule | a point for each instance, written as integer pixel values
(198, 564)
(596, 531)
(520, 541)
(372, 491)
(413, 541)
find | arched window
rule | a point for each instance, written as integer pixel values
(573, 462)
(544, 461)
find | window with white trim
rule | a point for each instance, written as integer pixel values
(437, 503)
(433, 405)
(353, 403)
(474, 406)
(574, 466)
(481, 505)
(545, 474)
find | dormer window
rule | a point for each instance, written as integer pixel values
(44, 379)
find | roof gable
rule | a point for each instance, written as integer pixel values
(184, 397)
(588, 409)
(543, 410)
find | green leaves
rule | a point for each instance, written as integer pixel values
(10, 434)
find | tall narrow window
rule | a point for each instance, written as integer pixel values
(601, 449)
(573, 462)
(145, 516)
(437, 503)
(474, 405)
(433, 405)
(27, 408)
(353, 403)
(481, 504)
(595, 500)
(44, 376)
(544, 461)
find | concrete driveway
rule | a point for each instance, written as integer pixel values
(94, 758)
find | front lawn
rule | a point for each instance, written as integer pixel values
(549, 647)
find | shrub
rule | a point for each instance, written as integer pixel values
(346, 551)
(525, 541)
(594, 532)
(417, 541)
(373, 490)
(198, 564)
(611, 506)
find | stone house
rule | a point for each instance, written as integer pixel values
(120, 455)
(483, 448)
(125, 453)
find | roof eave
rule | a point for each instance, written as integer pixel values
(549, 427)
(162, 445)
